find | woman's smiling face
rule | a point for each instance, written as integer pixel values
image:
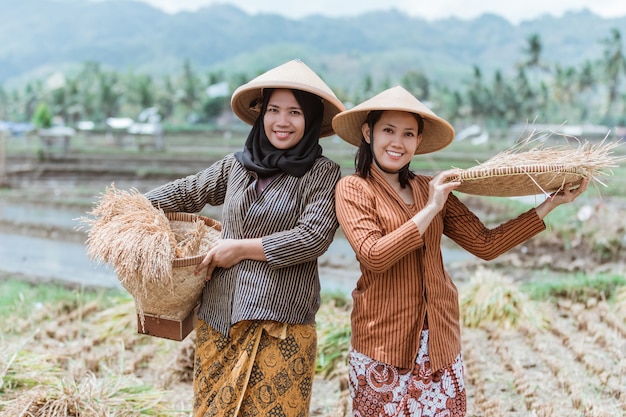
(395, 139)
(283, 121)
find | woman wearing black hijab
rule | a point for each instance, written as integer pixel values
(255, 337)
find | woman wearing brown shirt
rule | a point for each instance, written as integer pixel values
(405, 357)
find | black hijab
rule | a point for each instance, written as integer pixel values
(260, 156)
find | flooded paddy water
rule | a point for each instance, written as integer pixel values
(39, 239)
(40, 242)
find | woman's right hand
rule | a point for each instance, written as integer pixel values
(439, 189)
(440, 186)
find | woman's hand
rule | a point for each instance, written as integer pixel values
(222, 253)
(439, 188)
(226, 253)
(566, 195)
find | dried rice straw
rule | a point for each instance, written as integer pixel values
(541, 169)
(129, 233)
(90, 395)
(154, 253)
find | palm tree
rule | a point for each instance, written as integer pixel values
(32, 96)
(166, 98)
(88, 85)
(564, 92)
(190, 85)
(365, 91)
(614, 66)
(5, 103)
(73, 106)
(478, 96)
(533, 64)
(504, 103)
(109, 94)
(533, 52)
(15, 101)
(141, 91)
(451, 104)
(417, 83)
(527, 98)
(585, 86)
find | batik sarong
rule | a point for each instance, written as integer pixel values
(263, 368)
(382, 390)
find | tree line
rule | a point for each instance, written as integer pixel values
(536, 90)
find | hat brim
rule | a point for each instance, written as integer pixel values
(292, 75)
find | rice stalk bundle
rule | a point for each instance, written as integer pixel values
(154, 253)
(620, 302)
(128, 232)
(89, 396)
(22, 368)
(532, 168)
(490, 297)
(115, 322)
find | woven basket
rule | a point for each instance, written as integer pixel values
(533, 168)
(177, 298)
(519, 180)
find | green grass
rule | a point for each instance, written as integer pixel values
(19, 298)
(334, 333)
(576, 287)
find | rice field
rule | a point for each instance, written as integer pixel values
(544, 326)
(560, 358)
(68, 352)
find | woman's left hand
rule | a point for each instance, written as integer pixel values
(226, 253)
(223, 253)
(564, 196)
(567, 194)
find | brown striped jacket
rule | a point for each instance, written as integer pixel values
(402, 273)
(295, 217)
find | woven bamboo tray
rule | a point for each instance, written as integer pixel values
(532, 168)
(519, 180)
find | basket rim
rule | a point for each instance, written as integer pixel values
(478, 172)
(191, 217)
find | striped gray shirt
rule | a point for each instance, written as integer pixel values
(295, 217)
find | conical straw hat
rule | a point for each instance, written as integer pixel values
(437, 133)
(294, 75)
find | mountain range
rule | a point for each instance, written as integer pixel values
(38, 37)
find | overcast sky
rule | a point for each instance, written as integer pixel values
(514, 11)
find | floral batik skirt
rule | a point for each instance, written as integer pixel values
(263, 368)
(382, 390)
